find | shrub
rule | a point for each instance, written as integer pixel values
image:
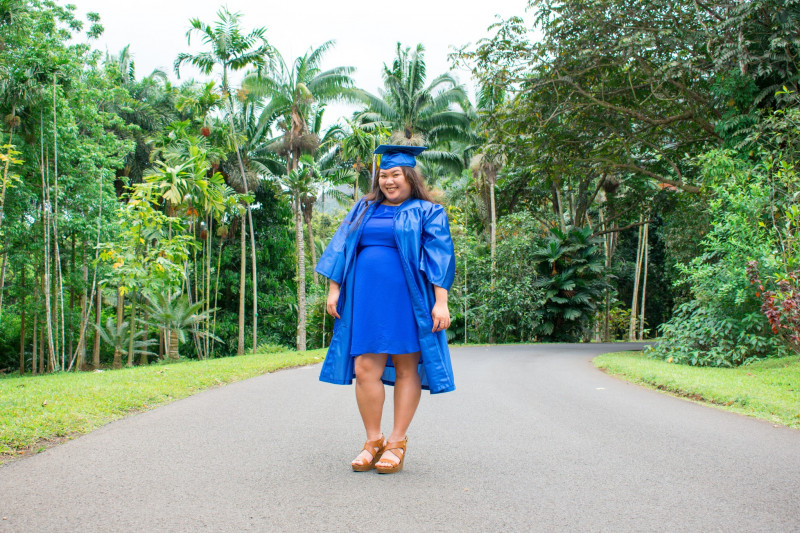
(571, 274)
(722, 324)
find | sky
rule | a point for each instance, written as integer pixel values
(366, 32)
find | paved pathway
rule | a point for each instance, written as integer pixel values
(534, 439)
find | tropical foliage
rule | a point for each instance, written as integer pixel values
(619, 160)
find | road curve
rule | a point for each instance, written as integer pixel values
(533, 439)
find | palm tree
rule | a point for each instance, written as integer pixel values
(298, 95)
(121, 338)
(357, 147)
(413, 110)
(231, 50)
(175, 315)
(298, 184)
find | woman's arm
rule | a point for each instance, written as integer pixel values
(440, 313)
(333, 298)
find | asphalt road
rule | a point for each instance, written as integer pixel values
(533, 439)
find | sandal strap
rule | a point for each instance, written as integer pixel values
(395, 448)
(373, 455)
(374, 448)
(388, 460)
(364, 461)
(399, 445)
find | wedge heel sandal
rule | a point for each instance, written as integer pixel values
(394, 466)
(374, 448)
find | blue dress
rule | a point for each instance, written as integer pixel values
(422, 232)
(383, 316)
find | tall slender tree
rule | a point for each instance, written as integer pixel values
(231, 50)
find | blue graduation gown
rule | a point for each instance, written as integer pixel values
(426, 253)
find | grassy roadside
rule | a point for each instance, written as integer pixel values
(36, 411)
(768, 389)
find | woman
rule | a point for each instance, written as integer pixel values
(390, 266)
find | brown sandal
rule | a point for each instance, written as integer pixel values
(395, 465)
(373, 447)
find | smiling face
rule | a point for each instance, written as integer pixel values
(394, 186)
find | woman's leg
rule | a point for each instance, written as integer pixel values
(370, 394)
(407, 392)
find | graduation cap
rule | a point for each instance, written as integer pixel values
(395, 155)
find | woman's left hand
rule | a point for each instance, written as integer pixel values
(441, 316)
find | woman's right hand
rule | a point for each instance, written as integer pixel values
(333, 299)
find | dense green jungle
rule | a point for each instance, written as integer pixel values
(624, 170)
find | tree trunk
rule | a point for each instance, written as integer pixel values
(117, 362)
(72, 297)
(46, 261)
(216, 293)
(301, 277)
(34, 351)
(466, 289)
(54, 299)
(97, 313)
(644, 277)
(172, 348)
(42, 335)
(22, 327)
(635, 299)
(143, 355)
(255, 279)
(3, 278)
(207, 290)
(607, 306)
(81, 364)
(494, 225)
(45, 365)
(86, 299)
(559, 206)
(51, 355)
(120, 307)
(242, 268)
(252, 230)
(60, 288)
(132, 331)
(355, 182)
(60, 306)
(313, 249)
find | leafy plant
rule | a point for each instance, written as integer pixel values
(118, 336)
(571, 270)
(722, 325)
(781, 306)
(505, 311)
(176, 315)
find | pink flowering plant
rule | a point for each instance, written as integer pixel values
(781, 305)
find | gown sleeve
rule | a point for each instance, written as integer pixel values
(331, 263)
(437, 260)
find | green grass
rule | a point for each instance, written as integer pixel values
(768, 389)
(36, 411)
